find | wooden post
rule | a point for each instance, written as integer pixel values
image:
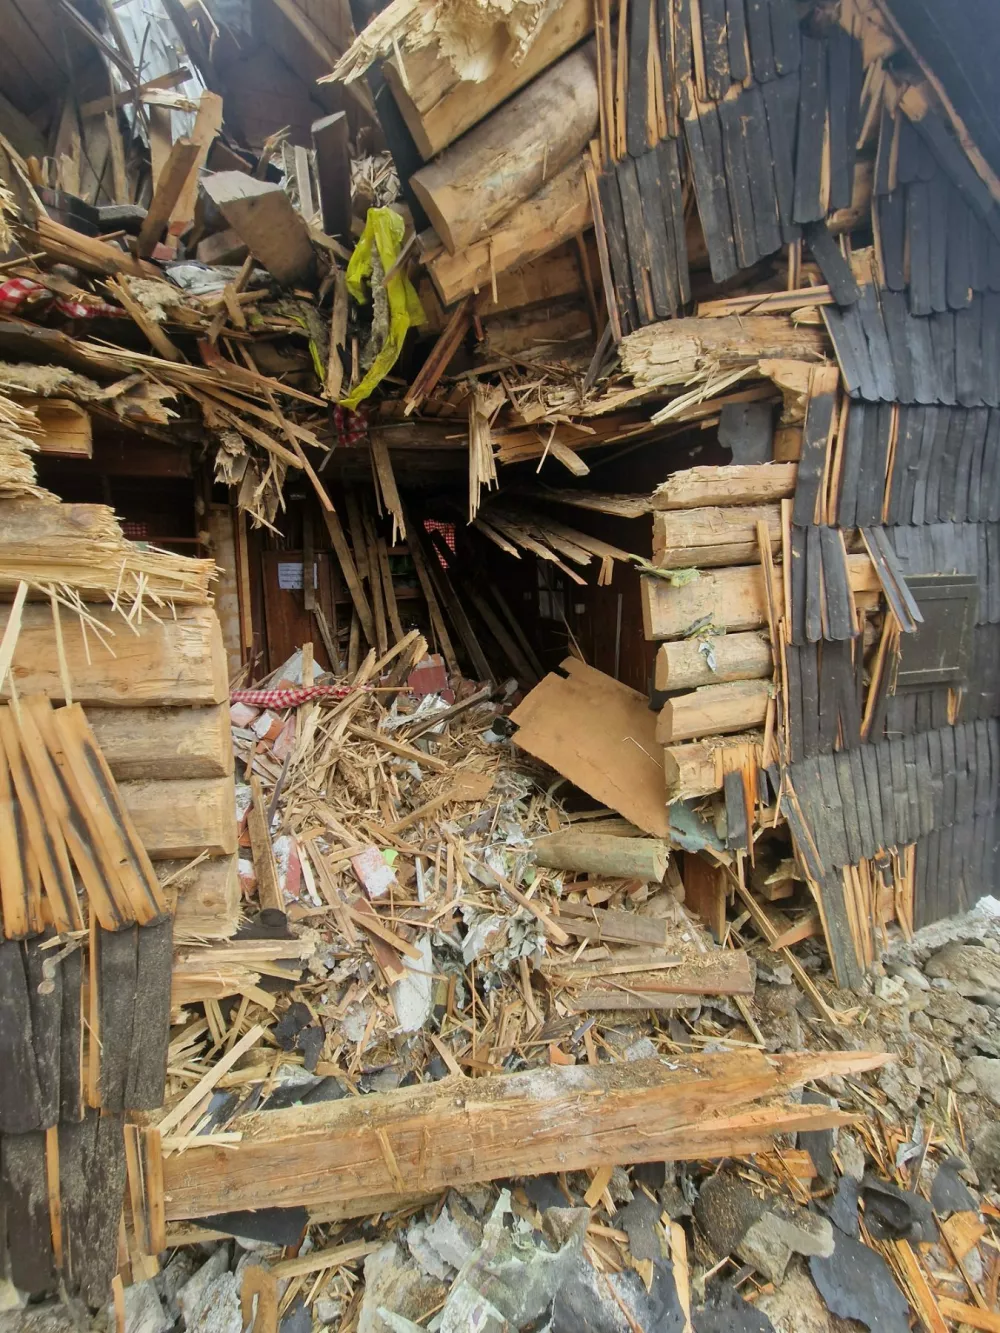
(604, 854)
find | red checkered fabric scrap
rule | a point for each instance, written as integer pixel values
(16, 292)
(300, 694)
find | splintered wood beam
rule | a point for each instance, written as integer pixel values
(728, 484)
(678, 351)
(458, 1132)
(699, 767)
(439, 106)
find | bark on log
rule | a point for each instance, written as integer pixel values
(457, 1132)
(682, 665)
(505, 159)
(164, 742)
(169, 662)
(714, 536)
(438, 106)
(699, 767)
(183, 817)
(604, 854)
(713, 710)
(677, 351)
(731, 599)
(729, 484)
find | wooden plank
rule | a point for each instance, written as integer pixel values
(737, 175)
(705, 892)
(333, 168)
(617, 760)
(594, 923)
(207, 125)
(759, 159)
(180, 163)
(171, 661)
(269, 893)
(439, 1135)
(704, 142)
(809, 205)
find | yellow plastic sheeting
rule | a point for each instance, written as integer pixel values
(384, 229)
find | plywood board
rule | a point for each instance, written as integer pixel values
(601, 735)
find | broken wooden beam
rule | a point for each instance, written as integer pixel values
(506, 158)
(66, 427)
(713, 710)
(172, 179)
(264, 216)
(604, 854)
(456, 1132)
(439, 106)
(727, 484)
(710, 659)
(649, 983)
(204, 897)
(679, 351)
(699, 767)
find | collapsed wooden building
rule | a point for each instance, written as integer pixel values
(633, 371)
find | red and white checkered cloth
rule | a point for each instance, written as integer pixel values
(17, 292)
(299, 694)
(351, 427)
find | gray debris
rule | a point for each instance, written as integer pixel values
(775, 1237)
(949, 1194)
(986, 1072)
(394, 1282)
(856, 1283)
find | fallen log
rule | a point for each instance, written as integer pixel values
(506, 158)
(729, 599)
(728, 484)
(713, 710)
(684, 664)
(699, 767)
(713, 536)
(556, 212)
(604, 854)
(459, 1132)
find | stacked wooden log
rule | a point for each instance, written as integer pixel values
(155, 689)
(710, 617)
